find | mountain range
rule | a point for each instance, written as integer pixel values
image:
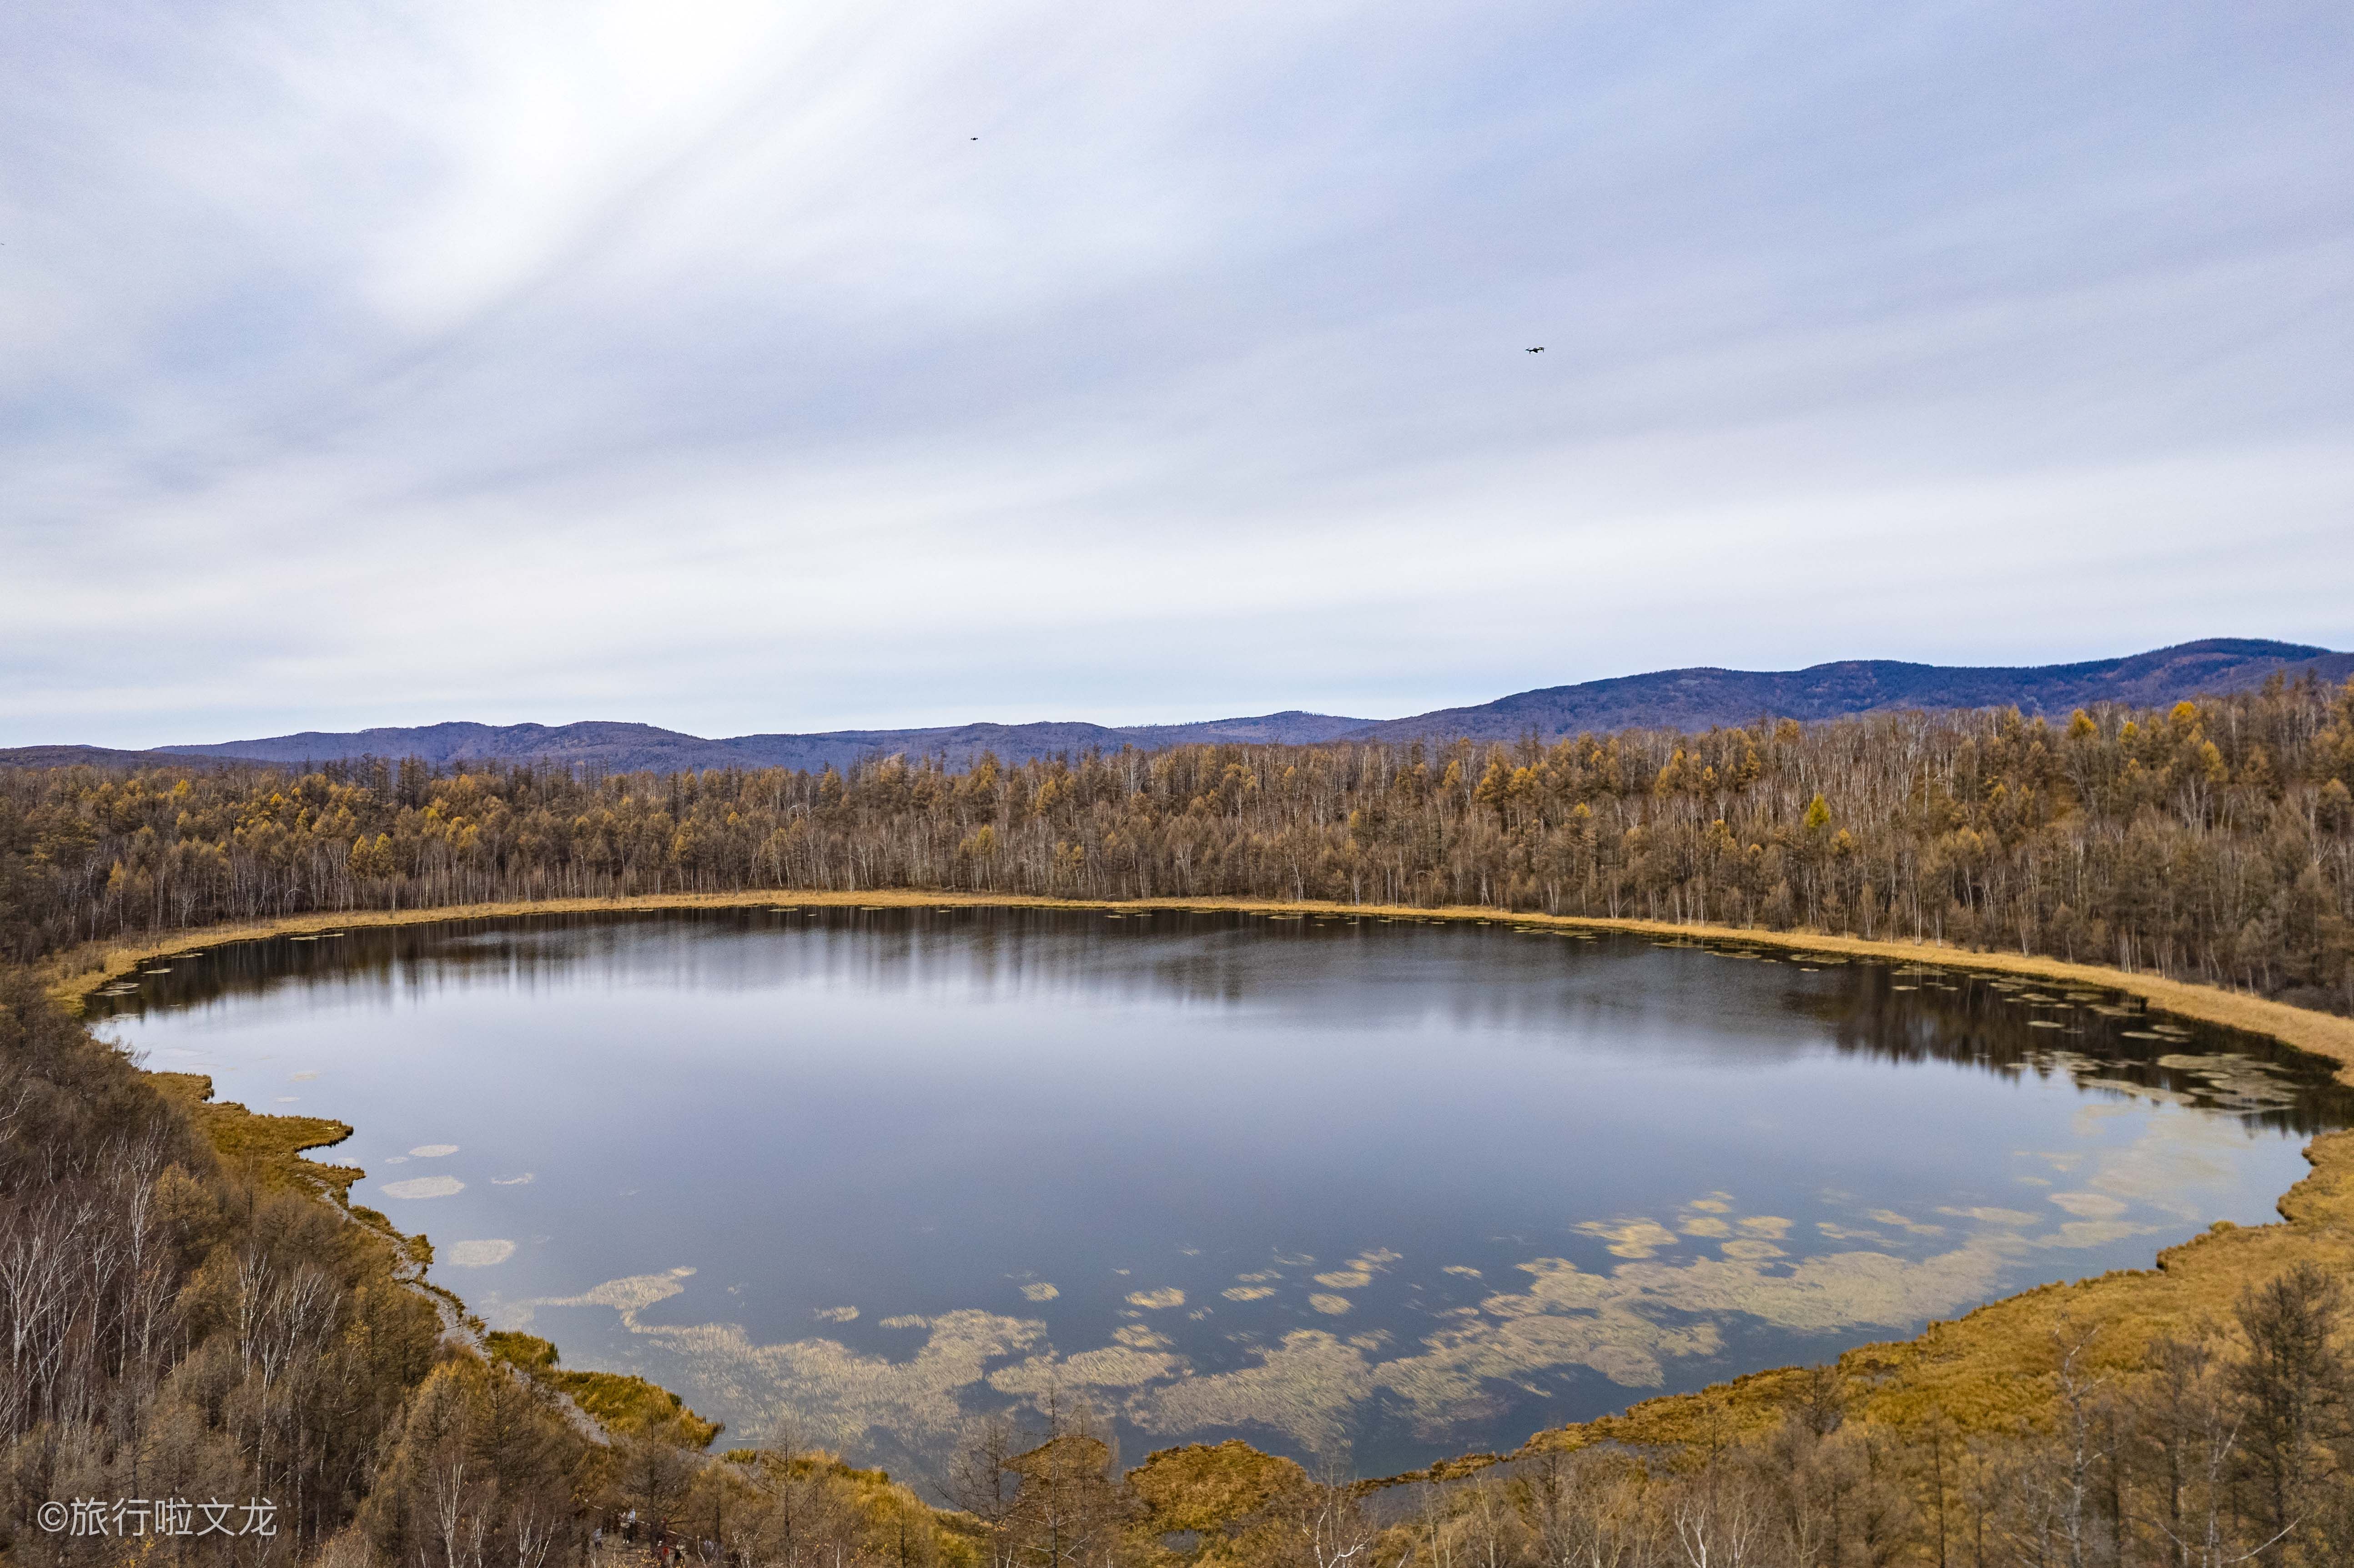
(1681, 699)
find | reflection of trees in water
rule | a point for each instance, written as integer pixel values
(1213, 956)
(1342, 968)
(1976, 1022)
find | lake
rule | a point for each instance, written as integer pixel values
(1385, 1189)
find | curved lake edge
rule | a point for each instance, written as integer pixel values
(1991, 1364)
(80, 971)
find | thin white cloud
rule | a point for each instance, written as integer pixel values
(612, 362)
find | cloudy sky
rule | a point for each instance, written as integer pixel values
(804, 365)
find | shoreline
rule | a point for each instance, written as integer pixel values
(1987, 1363)
(2321, 1034)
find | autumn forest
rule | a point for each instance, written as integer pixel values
(2213, 842)
(191, 1309)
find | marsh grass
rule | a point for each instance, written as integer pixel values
(269, 1148)
(619, 1403)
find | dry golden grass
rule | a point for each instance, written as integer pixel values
(268, 1148)
(620, 1403)
(1228, 1494)
(1202, 1486)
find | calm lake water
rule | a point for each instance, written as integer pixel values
(1397, 1190)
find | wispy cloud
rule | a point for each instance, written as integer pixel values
(557, 362)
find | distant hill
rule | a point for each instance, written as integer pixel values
(1697, 698)
(76, 755)
(100, 757)
(629, 748)
(1681, 699)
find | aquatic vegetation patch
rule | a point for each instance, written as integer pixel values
(1983, 1215)
(1112, 1367)
(423, 1187)
(1308, 1387)
(1630, 1238)
(1751, 1250)
(1837, 1232)
(817, 1390)
(1913, 1227)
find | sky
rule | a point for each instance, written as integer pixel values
(797, 367)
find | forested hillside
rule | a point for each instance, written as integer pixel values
(2214, 841)
(190, 1315)
(1698, 698)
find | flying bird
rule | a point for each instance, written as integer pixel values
(1538, 349)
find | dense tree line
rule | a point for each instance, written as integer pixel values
(2213, 842)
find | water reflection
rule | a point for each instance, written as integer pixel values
(1399, 1186)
